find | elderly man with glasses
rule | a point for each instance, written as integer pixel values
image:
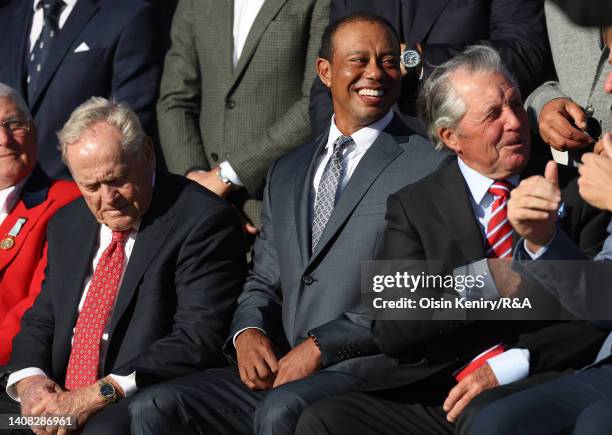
(28, 200)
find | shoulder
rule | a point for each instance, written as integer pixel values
(424, 187)
(61, 192)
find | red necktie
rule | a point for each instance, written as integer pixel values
(499, 230)
(85, 355)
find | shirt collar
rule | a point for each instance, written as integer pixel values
(365, 136)
(68, 3)
(479, 184)
(10, 195)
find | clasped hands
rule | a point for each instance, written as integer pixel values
(261, 370)
(40, 395)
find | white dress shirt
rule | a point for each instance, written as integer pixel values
(127, 383)
(9, 197)
(513, 364)
(38, 19)
(351, 156)
(245, 12)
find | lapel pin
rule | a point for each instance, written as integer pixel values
(561, 211)
(9, 241)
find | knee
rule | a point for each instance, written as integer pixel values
(279, 409)
(311, 421)
(595, 419)
(494, 419)
(151, 402)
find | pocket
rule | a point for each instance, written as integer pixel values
(370, 209)
(84, 55)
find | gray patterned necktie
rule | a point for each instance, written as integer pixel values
(328, 187)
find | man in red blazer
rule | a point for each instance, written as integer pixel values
(28, 199)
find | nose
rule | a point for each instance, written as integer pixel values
(513, 118)
(373, 70)
(109, 194)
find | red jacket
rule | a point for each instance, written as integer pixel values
(22, 266)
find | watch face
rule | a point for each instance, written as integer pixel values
(107, 390)
(411, 58)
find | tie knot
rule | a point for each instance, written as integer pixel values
(52, 9)
(501, 188)
(341, 143)
(120, 237)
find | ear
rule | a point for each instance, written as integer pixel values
(324, 71)
(450, 139)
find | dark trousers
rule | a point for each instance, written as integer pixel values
(580, 404)
(414, 409)
(217, 402)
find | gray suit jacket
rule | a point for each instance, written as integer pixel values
(291, 292)
(576, 53)
(250, 115)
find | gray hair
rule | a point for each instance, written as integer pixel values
(7, 92)
(96, 110)
(439, 104)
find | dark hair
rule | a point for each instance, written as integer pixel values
(327, 42)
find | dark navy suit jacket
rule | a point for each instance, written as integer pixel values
(123, 62)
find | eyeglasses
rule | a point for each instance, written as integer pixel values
(16, 126)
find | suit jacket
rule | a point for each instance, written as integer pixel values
(210, 112)
(22, 266)
(123, 62)
(292, 292)
(443, 227)
(573, 45)
(515, 28)
(175, 301)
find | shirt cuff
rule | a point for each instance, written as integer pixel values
(229, 172)
(17, 376)
(510, 366)
(127, 383)
(541, 251)
(242, 330)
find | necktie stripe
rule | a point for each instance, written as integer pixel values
(499, 230)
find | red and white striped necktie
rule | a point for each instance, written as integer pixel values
(499, 230)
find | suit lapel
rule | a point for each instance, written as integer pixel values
(426, 15)
(152, 234)
(80, 15)
(223, 28)
(31, 207)
(302, 193)
(77, 257)
(382, 152)
(266, 14)
(453, 202)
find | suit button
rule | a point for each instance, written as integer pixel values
(230, 104)
(214, 156)
(307, 279)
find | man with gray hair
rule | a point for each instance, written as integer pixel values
(28, 200)
(141, 283)
(453, 217)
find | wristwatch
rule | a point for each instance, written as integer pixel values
(411, 58)
(222, 177)
(107, 392)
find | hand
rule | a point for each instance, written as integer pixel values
(471, 386)
(257, 362)
(595, 182)
(302, 361)
(81, 403)
(507, 281)
(532, 208)
(35, 390)
(555, 124)
(210, 180)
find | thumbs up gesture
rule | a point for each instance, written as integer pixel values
(595, 180)
(533, 205)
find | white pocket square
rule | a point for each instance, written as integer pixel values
(81, 48)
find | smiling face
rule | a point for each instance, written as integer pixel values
(493, 135)
(116, 185)
(364, 74)
(17, 147)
